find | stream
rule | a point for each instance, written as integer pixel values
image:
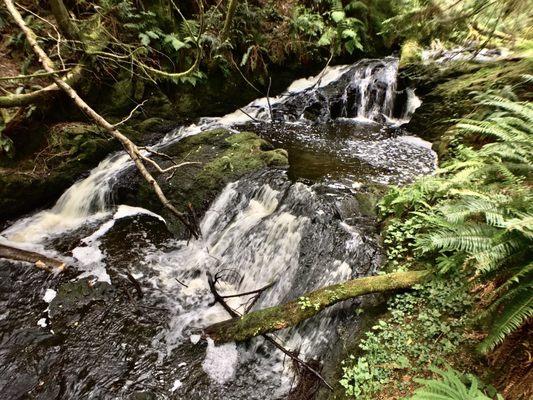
(302, 228)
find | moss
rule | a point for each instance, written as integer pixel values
(449, 93)
(71, 149)
(122, 95)
(410, 53)
(220, 157)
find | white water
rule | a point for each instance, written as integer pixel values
(90, 199)
(366, 80)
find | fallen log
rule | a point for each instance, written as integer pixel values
(293, 355)
(271, 319)
(40, 261)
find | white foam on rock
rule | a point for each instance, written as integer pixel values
(90, 256)
(220, 361)
(49, 295)
(177, 384)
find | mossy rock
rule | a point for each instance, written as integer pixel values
(71, 150)
(411, 53)
(220, 157)
(448, 92)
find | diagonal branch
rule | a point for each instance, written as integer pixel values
(292, 313)
(130, 147)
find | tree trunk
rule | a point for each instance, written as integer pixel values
(232, 5)
(292, 313)
(66, 26)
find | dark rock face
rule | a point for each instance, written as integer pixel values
(365, 89)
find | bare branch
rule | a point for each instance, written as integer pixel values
(40, 261)
(128, 145)
(31, 76)
(130, 114)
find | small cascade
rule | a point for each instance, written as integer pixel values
(258, 231)
(87, 199)
(365, 91)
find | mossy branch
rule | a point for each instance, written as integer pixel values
(25, 99)
(294, 312)
(229, 19)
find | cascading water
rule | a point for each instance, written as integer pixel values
(339, 128)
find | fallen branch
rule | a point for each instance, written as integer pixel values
(220, 299)
(130, 147)
(292, 313)
(40, 261)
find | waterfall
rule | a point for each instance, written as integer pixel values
(257, 231)
(362, 91)
(261, 229)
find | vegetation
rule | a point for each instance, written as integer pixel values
(453, 387)
(471, 224)
(469, 227)
(464, 22)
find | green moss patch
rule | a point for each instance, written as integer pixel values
(219, 157)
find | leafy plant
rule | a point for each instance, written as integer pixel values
(476, 214)
(333, 25)
(453, 386)
(423, 326)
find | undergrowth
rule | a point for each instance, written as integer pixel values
(472, 225)
(423, 327)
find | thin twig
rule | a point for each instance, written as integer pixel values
(260, 290)
(130, 114)
(31, 76)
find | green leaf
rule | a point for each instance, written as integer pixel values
(175, 42)
(327, 37)
(152, 34)
(145, 39)
(338, 16)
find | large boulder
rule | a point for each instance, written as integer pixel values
(220, 157)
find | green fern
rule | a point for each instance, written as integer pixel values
(477, 211)
(451, 386)
(518, 307)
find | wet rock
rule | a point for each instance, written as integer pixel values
(220, 157)
(73, 300)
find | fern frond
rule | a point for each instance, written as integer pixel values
(450, 386)
(518, 309)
